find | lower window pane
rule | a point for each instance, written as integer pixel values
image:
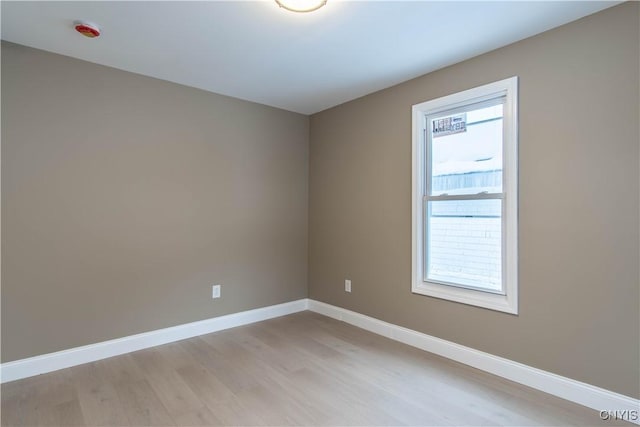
(464, 243)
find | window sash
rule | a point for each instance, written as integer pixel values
(426, 239)
(428, 197)
(428, 137)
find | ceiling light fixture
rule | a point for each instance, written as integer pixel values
(301, 5)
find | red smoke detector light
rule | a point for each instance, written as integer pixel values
(87, 30)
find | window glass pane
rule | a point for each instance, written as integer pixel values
(464, 243)
(466, 152)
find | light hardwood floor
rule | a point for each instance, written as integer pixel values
(302, 369)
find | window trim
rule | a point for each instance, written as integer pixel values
(507, 302)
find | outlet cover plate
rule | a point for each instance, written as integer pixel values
(215, 291)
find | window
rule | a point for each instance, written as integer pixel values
(465, 197)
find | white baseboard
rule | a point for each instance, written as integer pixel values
(566, 388)
(575, 391)
(31, 366)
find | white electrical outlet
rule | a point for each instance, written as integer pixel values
(347, 285)
(215, 291)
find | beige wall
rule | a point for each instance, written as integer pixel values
(579, 256)
(124, 198)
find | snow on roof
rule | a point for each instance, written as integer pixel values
(467, 166)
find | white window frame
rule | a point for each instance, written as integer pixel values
(506, 301)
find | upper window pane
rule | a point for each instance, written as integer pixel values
(466, 151)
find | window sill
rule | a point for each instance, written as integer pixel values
(504, 303)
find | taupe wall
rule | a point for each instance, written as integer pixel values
(579, 256)
(124, 198)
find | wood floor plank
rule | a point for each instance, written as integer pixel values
(298, 406)
(271, 410)
(174, 393)
(19, 410)
(233, 413)
(176, 356)
(68, 414)
(302, 369)
(205, 385)
(284, 357)
(151, 361)
(100, 405)
(236, 374)
(87, 375)
(119, 369)
(340, 406)
(141, 405)
(199, 417)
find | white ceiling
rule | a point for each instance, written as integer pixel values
(300, 62)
